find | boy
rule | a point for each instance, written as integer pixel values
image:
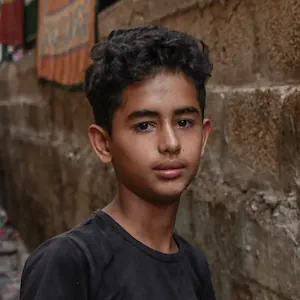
(146, 87)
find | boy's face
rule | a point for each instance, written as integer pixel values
(158, 138)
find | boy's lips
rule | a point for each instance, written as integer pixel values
(170, 169)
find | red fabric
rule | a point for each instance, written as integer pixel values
(11, 22)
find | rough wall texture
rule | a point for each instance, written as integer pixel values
(243, 208)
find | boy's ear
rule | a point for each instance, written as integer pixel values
(100, 141)
(206, 129)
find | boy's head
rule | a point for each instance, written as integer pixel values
(146, 87)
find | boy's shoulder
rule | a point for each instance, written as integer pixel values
(195, 256)
(199, 266)
(66, 261)
(189, 248)
(86, 243)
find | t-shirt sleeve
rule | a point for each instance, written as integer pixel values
(56, 270)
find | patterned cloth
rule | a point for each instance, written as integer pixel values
(66, 34)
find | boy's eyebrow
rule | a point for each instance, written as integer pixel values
(152, 113)
(142, 113)
(187, 110)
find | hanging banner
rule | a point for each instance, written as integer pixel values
(30, 20)
(65, 35)
(11, 22)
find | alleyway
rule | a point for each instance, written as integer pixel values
(13, 255)
(243, 207)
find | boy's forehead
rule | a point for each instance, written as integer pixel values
(165, 91)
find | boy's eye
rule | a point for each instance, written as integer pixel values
(185, 123)
(145, 126)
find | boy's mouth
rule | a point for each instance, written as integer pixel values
(170, 169)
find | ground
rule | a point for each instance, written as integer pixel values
(13, 255)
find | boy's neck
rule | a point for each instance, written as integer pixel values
(151, 224)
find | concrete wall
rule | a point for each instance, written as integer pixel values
(243, 208)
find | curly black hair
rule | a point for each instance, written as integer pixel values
(130, 55)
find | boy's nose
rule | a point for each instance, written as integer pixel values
(169, 141)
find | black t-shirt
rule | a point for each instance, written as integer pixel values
(99, 260)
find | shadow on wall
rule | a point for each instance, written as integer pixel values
(3, 190)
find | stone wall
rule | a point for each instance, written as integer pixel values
(53, 178)
(243, 208)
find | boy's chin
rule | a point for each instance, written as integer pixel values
(168, 196)
(165, 199)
